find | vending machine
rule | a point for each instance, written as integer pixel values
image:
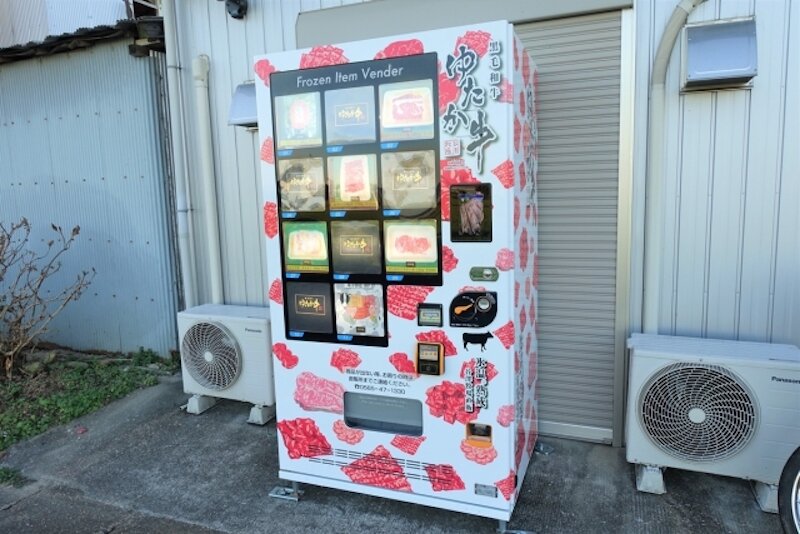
(399, 179)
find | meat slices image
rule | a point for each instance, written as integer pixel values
(479, 455)
(444, 478)
(378, 468)
(314, 393)
(407, 444)
(303, 438)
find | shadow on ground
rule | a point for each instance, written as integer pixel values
(146, 466)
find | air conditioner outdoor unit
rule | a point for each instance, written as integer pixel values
(724, 407)
(226, 353)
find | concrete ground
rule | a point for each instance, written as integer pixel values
(145, 466)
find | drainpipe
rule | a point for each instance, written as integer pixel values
(205, 151)
(655, 166)
(183, 203)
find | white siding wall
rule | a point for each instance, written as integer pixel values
(206, 28)
(731, 254)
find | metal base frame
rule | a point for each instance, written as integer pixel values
(285, 493)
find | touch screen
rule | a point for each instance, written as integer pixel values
(298, 122)
(302, 184)
(356, 247)
(407, 110)
(353, 183)
(408, 180)
(305, 246)
(350, 115)
(411, 246)
(359, 309)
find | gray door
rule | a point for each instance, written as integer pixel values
(579, 99)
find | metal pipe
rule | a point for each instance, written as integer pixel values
(205, 153)
(183, 203)
(654, 218)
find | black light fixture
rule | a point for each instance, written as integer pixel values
(236, 8)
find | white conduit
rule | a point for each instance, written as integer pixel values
(183, 203)
(654, 218)
(205, 153)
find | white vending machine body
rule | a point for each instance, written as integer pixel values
(400, 214)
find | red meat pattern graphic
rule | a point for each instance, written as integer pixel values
(276, 291)
(447, 401)
(322, 56)
(409, 47)
(449, 260)
(407, 444)
(476, 40)
(505, 259)
(303, 438)
(314, 393)
(505, 334)
(270, 219)
(378, 468)
(268, 151)
(345, 358)
(263, 69)
(479, 455)
(444, 478)
(402, 301)
(402, 363)
(507, 486)
(284, 355)
(349, 435)
(505, 415)
(505, 173)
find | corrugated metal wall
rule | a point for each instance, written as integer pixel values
(23, 21)
(579, 91)
(731, 256)
(80, 145)
(205, 28)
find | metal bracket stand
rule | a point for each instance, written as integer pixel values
(199, 403)
(766, 496)
(650, 479)
(502, 528)
(261, 415)
(287, 494)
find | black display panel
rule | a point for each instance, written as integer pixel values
(357, 170)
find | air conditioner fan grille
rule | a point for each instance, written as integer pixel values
(697, 412)
(211, 355)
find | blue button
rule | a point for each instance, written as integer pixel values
(337, 214)
(341, 277)
(285, 152)
(289, 214)
(343, 337)
(292, 275)
(334, 149)
(295, 333)
(389, 146)
(391, 213)
(394, 277)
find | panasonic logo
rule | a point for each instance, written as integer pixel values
(259, 331)
(786, 380)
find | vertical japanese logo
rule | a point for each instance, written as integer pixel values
(469, 112)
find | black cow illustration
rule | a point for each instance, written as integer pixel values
(478, 339)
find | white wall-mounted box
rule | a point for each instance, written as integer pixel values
(719, 54)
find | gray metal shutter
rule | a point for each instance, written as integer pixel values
(579, 86)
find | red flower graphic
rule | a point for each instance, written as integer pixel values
(263, 69)
(322, 56)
